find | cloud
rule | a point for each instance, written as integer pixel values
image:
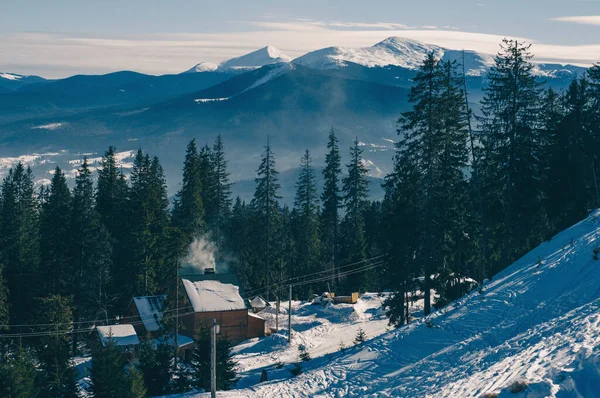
(582, 20)
(59, 55)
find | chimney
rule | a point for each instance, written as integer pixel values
(209, 271)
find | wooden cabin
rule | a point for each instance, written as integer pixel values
(124, 336)
(213, 296)
(145, 314)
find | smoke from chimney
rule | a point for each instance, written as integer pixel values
(201, 255)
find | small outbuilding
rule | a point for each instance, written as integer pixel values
(258, 304)
(123, 336)
(145, 314)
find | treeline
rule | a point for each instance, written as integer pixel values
(471, 193)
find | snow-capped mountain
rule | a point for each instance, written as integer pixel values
(203, 67)
(13, 81)
(264, 56)
(395, 51)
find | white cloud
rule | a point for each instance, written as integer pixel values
(59, 55)
(582, 20)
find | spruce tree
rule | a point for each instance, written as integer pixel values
(354, 195)
(306, 223)
(59, 377)
(108, 378)
(19, 241)
(201, 358)
(55, 223)
(511, 158)
(188, 207)
(226, 376)
(331, 198)
(266, 217)
(219, 192)
(155, 365)
(18, 376)
(112, 204)
(90, 253)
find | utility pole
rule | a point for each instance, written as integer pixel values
(277, 313)
(290, 318)
(213, 359)
(176, 339)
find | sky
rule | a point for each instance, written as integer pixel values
(61, 38)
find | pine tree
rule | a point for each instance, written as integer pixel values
(59, 377)
(55, 222)
(90, 253)
(355, 194)
(108, 378)
(188, 208)
(201, 358)
(155, 365)
(134, 383)
(511, 168)
(19, 243)
(4, 315)
(219, 191)
(267, 218)
(361, 336)
(18, 376)
(306, 223)
(239, 240)
(331, 203)
(226, 376)
(112, 204)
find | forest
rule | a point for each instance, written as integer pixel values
(473, 188)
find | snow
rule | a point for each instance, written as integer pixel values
(536, 322)
(49, 126)
(122, 335)
(203, 100)
(275, 71)
(208, 295)
(150, 309)
(258, 302)
(402, 52)
(10, 76)
(256, 59)
(203, 67)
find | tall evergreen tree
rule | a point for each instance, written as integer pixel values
(511, 158)
(306, 223)
(55, 223)
(331, 198)
(113, 206)
(18, 376)
(19, 243)
(355, 194)
(155, 365)
(219, 192)
(90, 253)
(267, 218)
(188, 209)
(59, 377)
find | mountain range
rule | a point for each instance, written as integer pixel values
(358, 91)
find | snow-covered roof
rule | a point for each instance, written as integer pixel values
(150, 309)
(256, 316)
(210, 295)
(258, 302)
(122, 335)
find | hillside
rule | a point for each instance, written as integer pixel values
(537, 322)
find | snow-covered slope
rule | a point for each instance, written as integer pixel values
(265, 56)
(536, 323)
(397, 51)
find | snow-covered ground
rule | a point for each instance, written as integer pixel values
(536, 323)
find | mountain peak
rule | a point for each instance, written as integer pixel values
(261, 57)
(203, 67)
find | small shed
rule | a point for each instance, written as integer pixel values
(145, 313)
(185, 345)
(258, 304)
(123, 336)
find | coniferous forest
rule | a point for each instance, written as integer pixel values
(474, 186)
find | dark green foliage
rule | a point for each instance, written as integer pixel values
(305, 223)
(218, 193)
(303, 353)
(201, 361)
(108, 372)
(188, 207)
(266, 220)
(360, 337)
(57, 373)
(353, 242)
(155, 365)
(332, 201)
(55, 223)
(19, 243)
(18, 376)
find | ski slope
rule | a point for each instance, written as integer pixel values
(537, 322)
